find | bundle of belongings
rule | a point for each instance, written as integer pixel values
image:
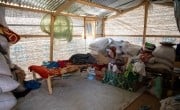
(159, 63)
(128, 64)
(123, 70)
(7, 81)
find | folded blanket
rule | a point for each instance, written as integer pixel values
(42, 71)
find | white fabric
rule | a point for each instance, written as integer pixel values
(91, 70)
(165, 52)
(121, 46)
(112, 67)
(133, 50)
(6, 59)
(4, 43)
(7, 101)
(4, 67)
(7, 83)
(139, 67)
(100, 44)
(126, 48)
(169, 104)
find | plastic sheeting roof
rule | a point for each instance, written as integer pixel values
(50, 5)
(87, 8)
(119, 4)
(81, 9)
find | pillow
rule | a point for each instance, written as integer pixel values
(7, 83)
(7, 101)
(4, 67)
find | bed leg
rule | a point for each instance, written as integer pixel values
(34, 75)
(49, 85)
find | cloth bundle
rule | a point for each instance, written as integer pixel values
(122, 47)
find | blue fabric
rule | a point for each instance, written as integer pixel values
(32, 84)
(51, 64)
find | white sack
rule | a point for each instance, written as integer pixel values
(139, 67)
(133, 50)
(165, 52)
(4, 67)
(159, 67)
(4, 43)
(160, 60)
(7, 101)
(7, 83)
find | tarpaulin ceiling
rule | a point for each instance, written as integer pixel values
(97, 8)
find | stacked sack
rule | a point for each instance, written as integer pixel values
(163, 58)
(7, 84)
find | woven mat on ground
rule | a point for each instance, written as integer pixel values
(77, 93)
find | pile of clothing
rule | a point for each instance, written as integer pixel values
(120, 71)
(148, 58)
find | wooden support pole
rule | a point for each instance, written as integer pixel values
(146, 6)
(52, 37)
(84, 28)
(103, 27)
